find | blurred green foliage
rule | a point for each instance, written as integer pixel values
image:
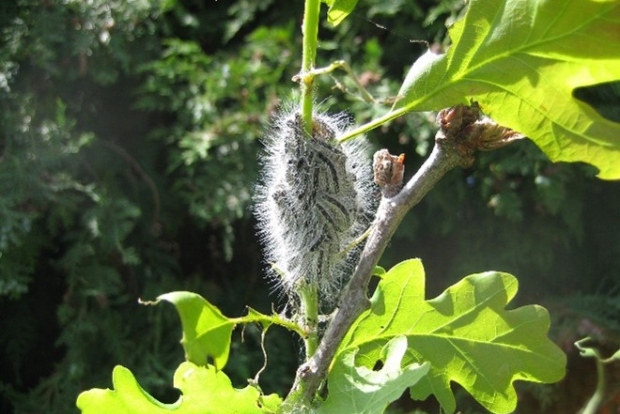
(128, 141)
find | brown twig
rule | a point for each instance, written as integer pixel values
(462, 130)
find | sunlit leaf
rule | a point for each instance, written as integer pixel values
(466, 335)
(522, 60)
(204, 390)
(361, 390)
(339, 10)
(207, 332)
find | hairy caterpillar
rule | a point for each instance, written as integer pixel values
(315, 198)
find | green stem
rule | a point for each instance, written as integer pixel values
(308, 293)
(310, 313)
(310, 35)
(596, 400)
(372, 124)
(341, 64)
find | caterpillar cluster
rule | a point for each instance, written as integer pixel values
(315, 199)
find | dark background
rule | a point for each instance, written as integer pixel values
(128, 141)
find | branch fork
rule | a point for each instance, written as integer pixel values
(463, 130)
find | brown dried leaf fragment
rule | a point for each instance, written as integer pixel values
(388, 171)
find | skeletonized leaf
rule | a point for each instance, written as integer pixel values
(207, 332)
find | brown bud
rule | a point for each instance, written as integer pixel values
(389, 171)
(468, 130)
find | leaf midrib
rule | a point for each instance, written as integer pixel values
(462, 74)
(455, 339)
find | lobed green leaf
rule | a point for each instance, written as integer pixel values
(361, 390)
(465, 334)
(204, 389)
(522, 60)
(207, 332)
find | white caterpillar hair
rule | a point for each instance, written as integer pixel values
(315, 198)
